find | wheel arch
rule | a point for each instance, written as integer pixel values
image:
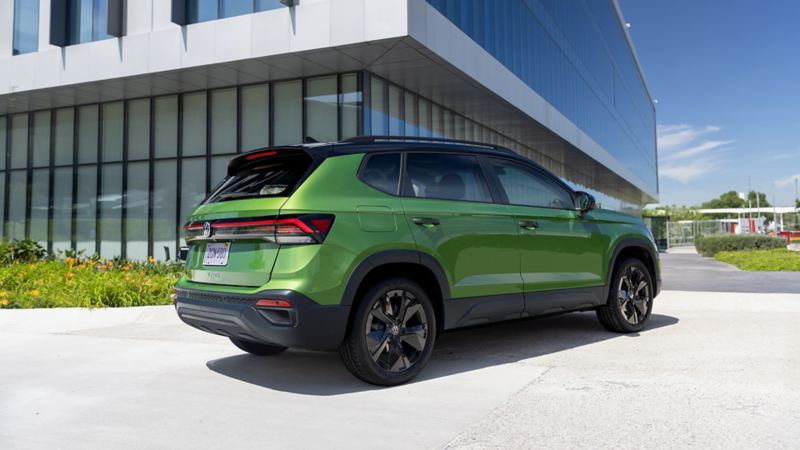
(418, 266)
(634, 248)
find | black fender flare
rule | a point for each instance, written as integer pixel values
(633, 242)
(392, 257)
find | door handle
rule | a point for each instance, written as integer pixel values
(426, 221)
(528, 224)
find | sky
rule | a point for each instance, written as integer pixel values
(726, 76)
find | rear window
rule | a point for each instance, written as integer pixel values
(272, 176)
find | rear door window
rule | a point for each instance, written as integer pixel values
(447, 177)
(382, 171)
(528, 187)
(267, 176)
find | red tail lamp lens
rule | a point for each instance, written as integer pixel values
(274, 303)
(260, 155)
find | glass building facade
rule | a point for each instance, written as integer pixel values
(26, 26)
(119, 178)
(575, 55)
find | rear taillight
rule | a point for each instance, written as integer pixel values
(302, 229)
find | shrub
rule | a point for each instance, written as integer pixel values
(86, 282)
(711, 245)
(762, 260)
(23, 251)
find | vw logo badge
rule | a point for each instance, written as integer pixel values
(206, 229)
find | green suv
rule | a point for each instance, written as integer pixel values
(375, 245)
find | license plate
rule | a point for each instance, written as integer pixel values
(216, 254)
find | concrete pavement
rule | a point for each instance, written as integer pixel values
(714, 370)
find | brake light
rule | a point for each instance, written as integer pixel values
(302, 229)
(260, 155)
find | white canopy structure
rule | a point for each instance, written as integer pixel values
(778, 211)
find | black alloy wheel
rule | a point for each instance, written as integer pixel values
(630, 298)
(391, 335)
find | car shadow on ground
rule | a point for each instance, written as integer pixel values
(322, 373)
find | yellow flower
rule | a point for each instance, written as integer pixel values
(3, 294)
(3, 302)
(70, 275)
(151, 260)
(35, 293)
(110, 263)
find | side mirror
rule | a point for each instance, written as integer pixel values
(584, 202)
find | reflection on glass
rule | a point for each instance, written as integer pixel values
(62, 208)
(41, 139)
(288, 109)
(193, 126)
(40, 205)
(86, 209)
(255, 117)
(16, 204)
(223, 121)
(19, 141)
(193, 185)
(137, 203)
(64, 131)
(112, 131)
(111, 211)
(378, 109)
(165, 124)
(26, 26)
(87, 20)
(351, 97)
(164, 204)
(321, 109)
(139, 129)
(87, 133)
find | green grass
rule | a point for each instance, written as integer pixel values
(89, 283)
(776, 260)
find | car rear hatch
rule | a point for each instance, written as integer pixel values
(234, 236)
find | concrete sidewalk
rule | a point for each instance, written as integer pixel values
(712, 370)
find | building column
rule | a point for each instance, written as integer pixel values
(6, 28)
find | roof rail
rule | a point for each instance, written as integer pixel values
(371, 139)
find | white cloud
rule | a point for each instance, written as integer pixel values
(683, 156)
(784, 156)
(671, 137)
(787, 181)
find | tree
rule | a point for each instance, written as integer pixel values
(731, 199)
(797, 203)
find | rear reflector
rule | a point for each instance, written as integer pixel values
(274, 303)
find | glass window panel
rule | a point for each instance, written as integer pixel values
(2, 203)
(165, 126)
(255, 117)
(411, 115)
(223, 121)
(62, 208)
(112, 131)
(230, 8)
(425, 127)
(193, 185)
(194, 124)
(460, 125)
(136, 215)
(164, 204)
(527, 187)
(395, 113)
(219, 170)
(447, 118)
(111, 211)
(100, 20)
(351, 97)
(41, 139)
(64, 130)
(322, 109)
(26, 26)
(266, 5)
(3, 122)
(87, 133)
(40, 205)
(450, 177)
(288, 112)
(378, 110)
(17, 193)
(139, 129)
(86, 209)
(437, 120)
(382, 172)
(19, 141)
(201, 10)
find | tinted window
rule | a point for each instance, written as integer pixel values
(382, 172)
(450, 177)
(264, 177)
(525, 186)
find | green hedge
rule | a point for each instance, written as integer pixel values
(711, 245)
(29, 278)
(776, 260)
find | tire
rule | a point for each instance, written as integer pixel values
(630, 298)
(257, 348)
(387, 344)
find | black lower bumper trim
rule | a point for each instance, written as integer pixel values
(306, 324)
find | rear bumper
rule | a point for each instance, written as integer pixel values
(306, 324)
